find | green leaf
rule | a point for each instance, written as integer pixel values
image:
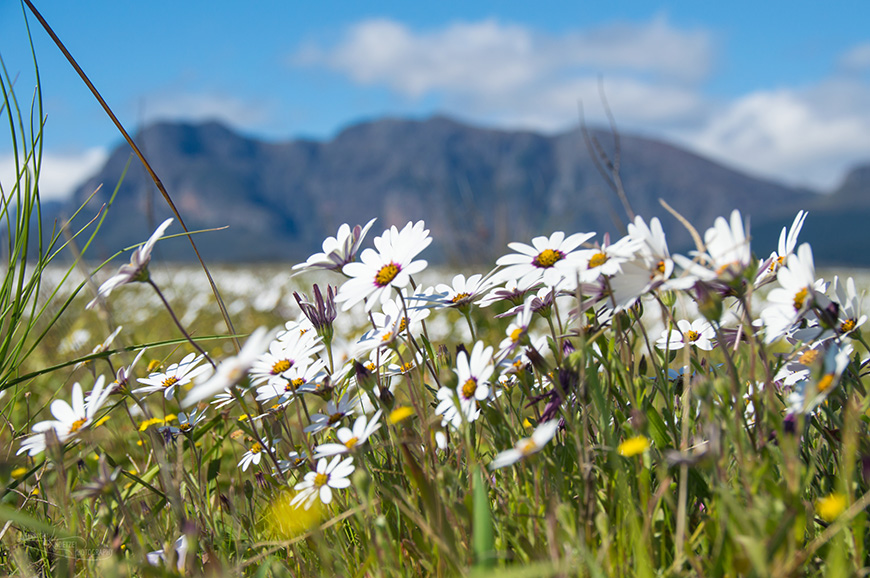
(25, 521)
(482, 534)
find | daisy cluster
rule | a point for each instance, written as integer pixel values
(313, 403)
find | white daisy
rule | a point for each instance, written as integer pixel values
(293, 350)
(727, 251)
(332, 414)
(517, 331)
(101, 347)
(514, 290)
(398, 316)
(450, 409)
(157, 557)
(134, 271)
(461, 292)
(473, 374)
(186, 423)
(527, 446)
(176, 375)
(607, 259)
(849, 312)
(787, 243)
(321, 482)
(809, 394)
(796, 295)
(231, 370)
(338, 251)
(69, 420)
(254, 454)
(548, 259)
(698, 333)
(297, 380)
(293, 461)
(350, 439)
(389, 266)
(223, 399)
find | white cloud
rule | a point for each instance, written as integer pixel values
(856, 59)
(488, 57)
(805, 136)
(653, 75)
(198, 107)
(511, 73)
(60, 173)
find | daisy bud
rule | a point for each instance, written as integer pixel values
(709, 302)
(669, 298)
(321, 313)
(363, 376)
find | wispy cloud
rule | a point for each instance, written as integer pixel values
(654, 76)
(807, 136)
(204, 106)
(59, 173)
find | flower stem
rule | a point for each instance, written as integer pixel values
(178, 323)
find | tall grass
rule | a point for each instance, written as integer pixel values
(658, 462)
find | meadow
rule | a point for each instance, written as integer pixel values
(580, 407)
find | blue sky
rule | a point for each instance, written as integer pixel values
(778, 89)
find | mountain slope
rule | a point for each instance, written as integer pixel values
(477, 189)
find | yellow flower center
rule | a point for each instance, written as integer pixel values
(351, 442)
(826, 382)
(335, 418)
(468, 388)
(597, 260)
(77, 425)
(660, 267)
(548, 258)
(321, 479)
(371, 366)
(387, 336)
(800, 298)
(281, 366)
(170, 381)
(847, 325)
(256, 448)
(185, 427)
(294, 384)
(692, 336)
(403, 324)
(407, 367)
(527, 446)
(386, 274)
(809, 356)
(460, 297)
(516, 334)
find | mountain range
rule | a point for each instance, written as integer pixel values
(477, 190)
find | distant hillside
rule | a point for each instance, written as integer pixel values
(477, 189)
(835, 227)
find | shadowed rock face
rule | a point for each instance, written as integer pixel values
(477, 189)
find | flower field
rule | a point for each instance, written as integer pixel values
(581, 408)
(584, 406)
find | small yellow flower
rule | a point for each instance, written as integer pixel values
(18, 472)
(400, 413)
(831, 506)
(139, 443)
(285, 520)
(149, 422)
(527, 423)
(633, 446)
